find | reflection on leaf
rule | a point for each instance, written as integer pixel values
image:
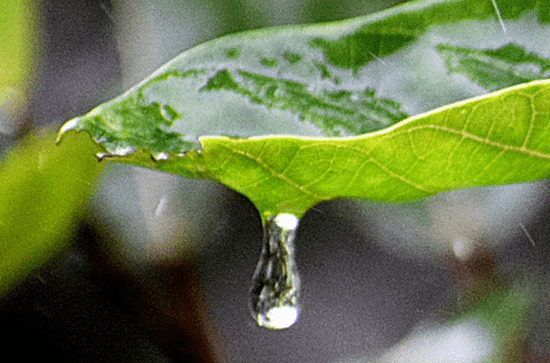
(334, 112)
(494, 69)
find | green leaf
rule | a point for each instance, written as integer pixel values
(208, 112)
(42, 195)
(497, 139)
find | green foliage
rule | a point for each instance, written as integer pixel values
(304, 85)
(43, 192)
(42, 187)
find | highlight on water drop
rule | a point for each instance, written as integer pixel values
(275, 288)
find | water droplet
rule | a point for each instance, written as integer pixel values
(161, 156)
(101, 156)
(276, 285)
(161, 206)
(123, 150)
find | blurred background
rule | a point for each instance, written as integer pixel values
(160, 268)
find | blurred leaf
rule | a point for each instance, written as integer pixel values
(503, 311)
(43, 192)
(489, 327)
(340, 79)
(17, 50)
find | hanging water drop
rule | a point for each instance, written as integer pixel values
(276, 285)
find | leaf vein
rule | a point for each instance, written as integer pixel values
(486, 141)
(388, 171)
(276, 174)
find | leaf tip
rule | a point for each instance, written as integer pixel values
(68, 126)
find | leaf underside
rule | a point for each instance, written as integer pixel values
(337, 98)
